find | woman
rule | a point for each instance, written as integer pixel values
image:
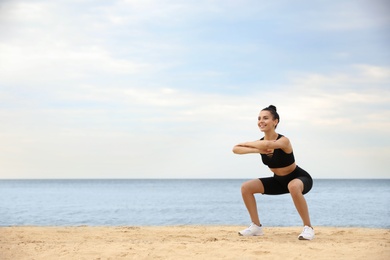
(277, 153)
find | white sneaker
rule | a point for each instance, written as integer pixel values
(252, 230)
(307, 233)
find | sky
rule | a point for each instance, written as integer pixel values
(166, 88)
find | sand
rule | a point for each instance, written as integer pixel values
(190, 242)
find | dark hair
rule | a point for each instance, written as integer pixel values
(272, 110)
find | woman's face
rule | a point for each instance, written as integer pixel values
(266, 121)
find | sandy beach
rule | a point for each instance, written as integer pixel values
(190, 242)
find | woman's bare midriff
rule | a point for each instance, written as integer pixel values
(285, 170)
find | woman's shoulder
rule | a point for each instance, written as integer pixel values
(285, 143)
(280, 136)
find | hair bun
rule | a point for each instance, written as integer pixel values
(272, 107)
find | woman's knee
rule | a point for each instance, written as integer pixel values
(245, 187)
(252, 187)
(295, 186)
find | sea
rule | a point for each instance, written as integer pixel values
(171, 202)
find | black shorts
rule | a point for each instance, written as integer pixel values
(278, 184)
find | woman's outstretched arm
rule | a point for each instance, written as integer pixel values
(244, 149)
(264, 145)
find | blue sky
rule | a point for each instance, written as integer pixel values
(165, 89)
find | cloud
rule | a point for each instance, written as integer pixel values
(347, 97)
(54, 63)
(377, 74)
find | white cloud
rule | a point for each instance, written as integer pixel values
(17, 11)
(374, 73)
(350, 99)
(38, 64)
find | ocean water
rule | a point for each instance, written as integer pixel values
(341, 203)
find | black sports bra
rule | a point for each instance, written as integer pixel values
(279, 158)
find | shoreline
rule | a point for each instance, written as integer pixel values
(189, 242)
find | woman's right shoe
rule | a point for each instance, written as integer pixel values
(307, 233)
(252, 230)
